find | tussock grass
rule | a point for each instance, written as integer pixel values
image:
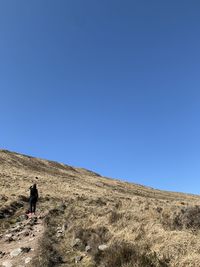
(122, 254)
(182, 218)
(115, 216)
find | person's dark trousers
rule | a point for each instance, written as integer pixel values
(32, 205)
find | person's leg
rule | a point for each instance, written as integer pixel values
(34, 207)
(31, 205)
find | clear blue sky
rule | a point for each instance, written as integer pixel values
(109, 85)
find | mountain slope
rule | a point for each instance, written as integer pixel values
(90, 220)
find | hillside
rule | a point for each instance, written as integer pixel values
(84, 219)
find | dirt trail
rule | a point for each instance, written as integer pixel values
(18, 245)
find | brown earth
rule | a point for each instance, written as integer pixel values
(84, 219)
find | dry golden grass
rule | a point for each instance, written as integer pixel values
(141, 226)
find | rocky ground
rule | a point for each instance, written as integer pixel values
(19, 242)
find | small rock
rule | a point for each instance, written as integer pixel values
(99, 184)
(33, 221)
(17, 228)
(15, 252)
(8, 235)
(58, 235)
(102, 247)
(22, 218)
(87, 248)
(78, 259)
(27, 260)
(7, 264)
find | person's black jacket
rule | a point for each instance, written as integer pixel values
(33, 194)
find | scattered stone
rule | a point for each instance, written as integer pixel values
(27, 260)
(102, 247)
(15, 252)
(22, 218)
(8, 237)
(7, 264)
(17, 228)
(33, 221)
(87, 248)
(59, 230)
(78, 259)
(99, 184)
(59, 235)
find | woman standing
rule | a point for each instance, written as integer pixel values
(33, 198)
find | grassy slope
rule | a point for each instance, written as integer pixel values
(140, 225)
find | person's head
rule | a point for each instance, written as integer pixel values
(34, 186)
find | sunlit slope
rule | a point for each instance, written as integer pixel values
(18, 171)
